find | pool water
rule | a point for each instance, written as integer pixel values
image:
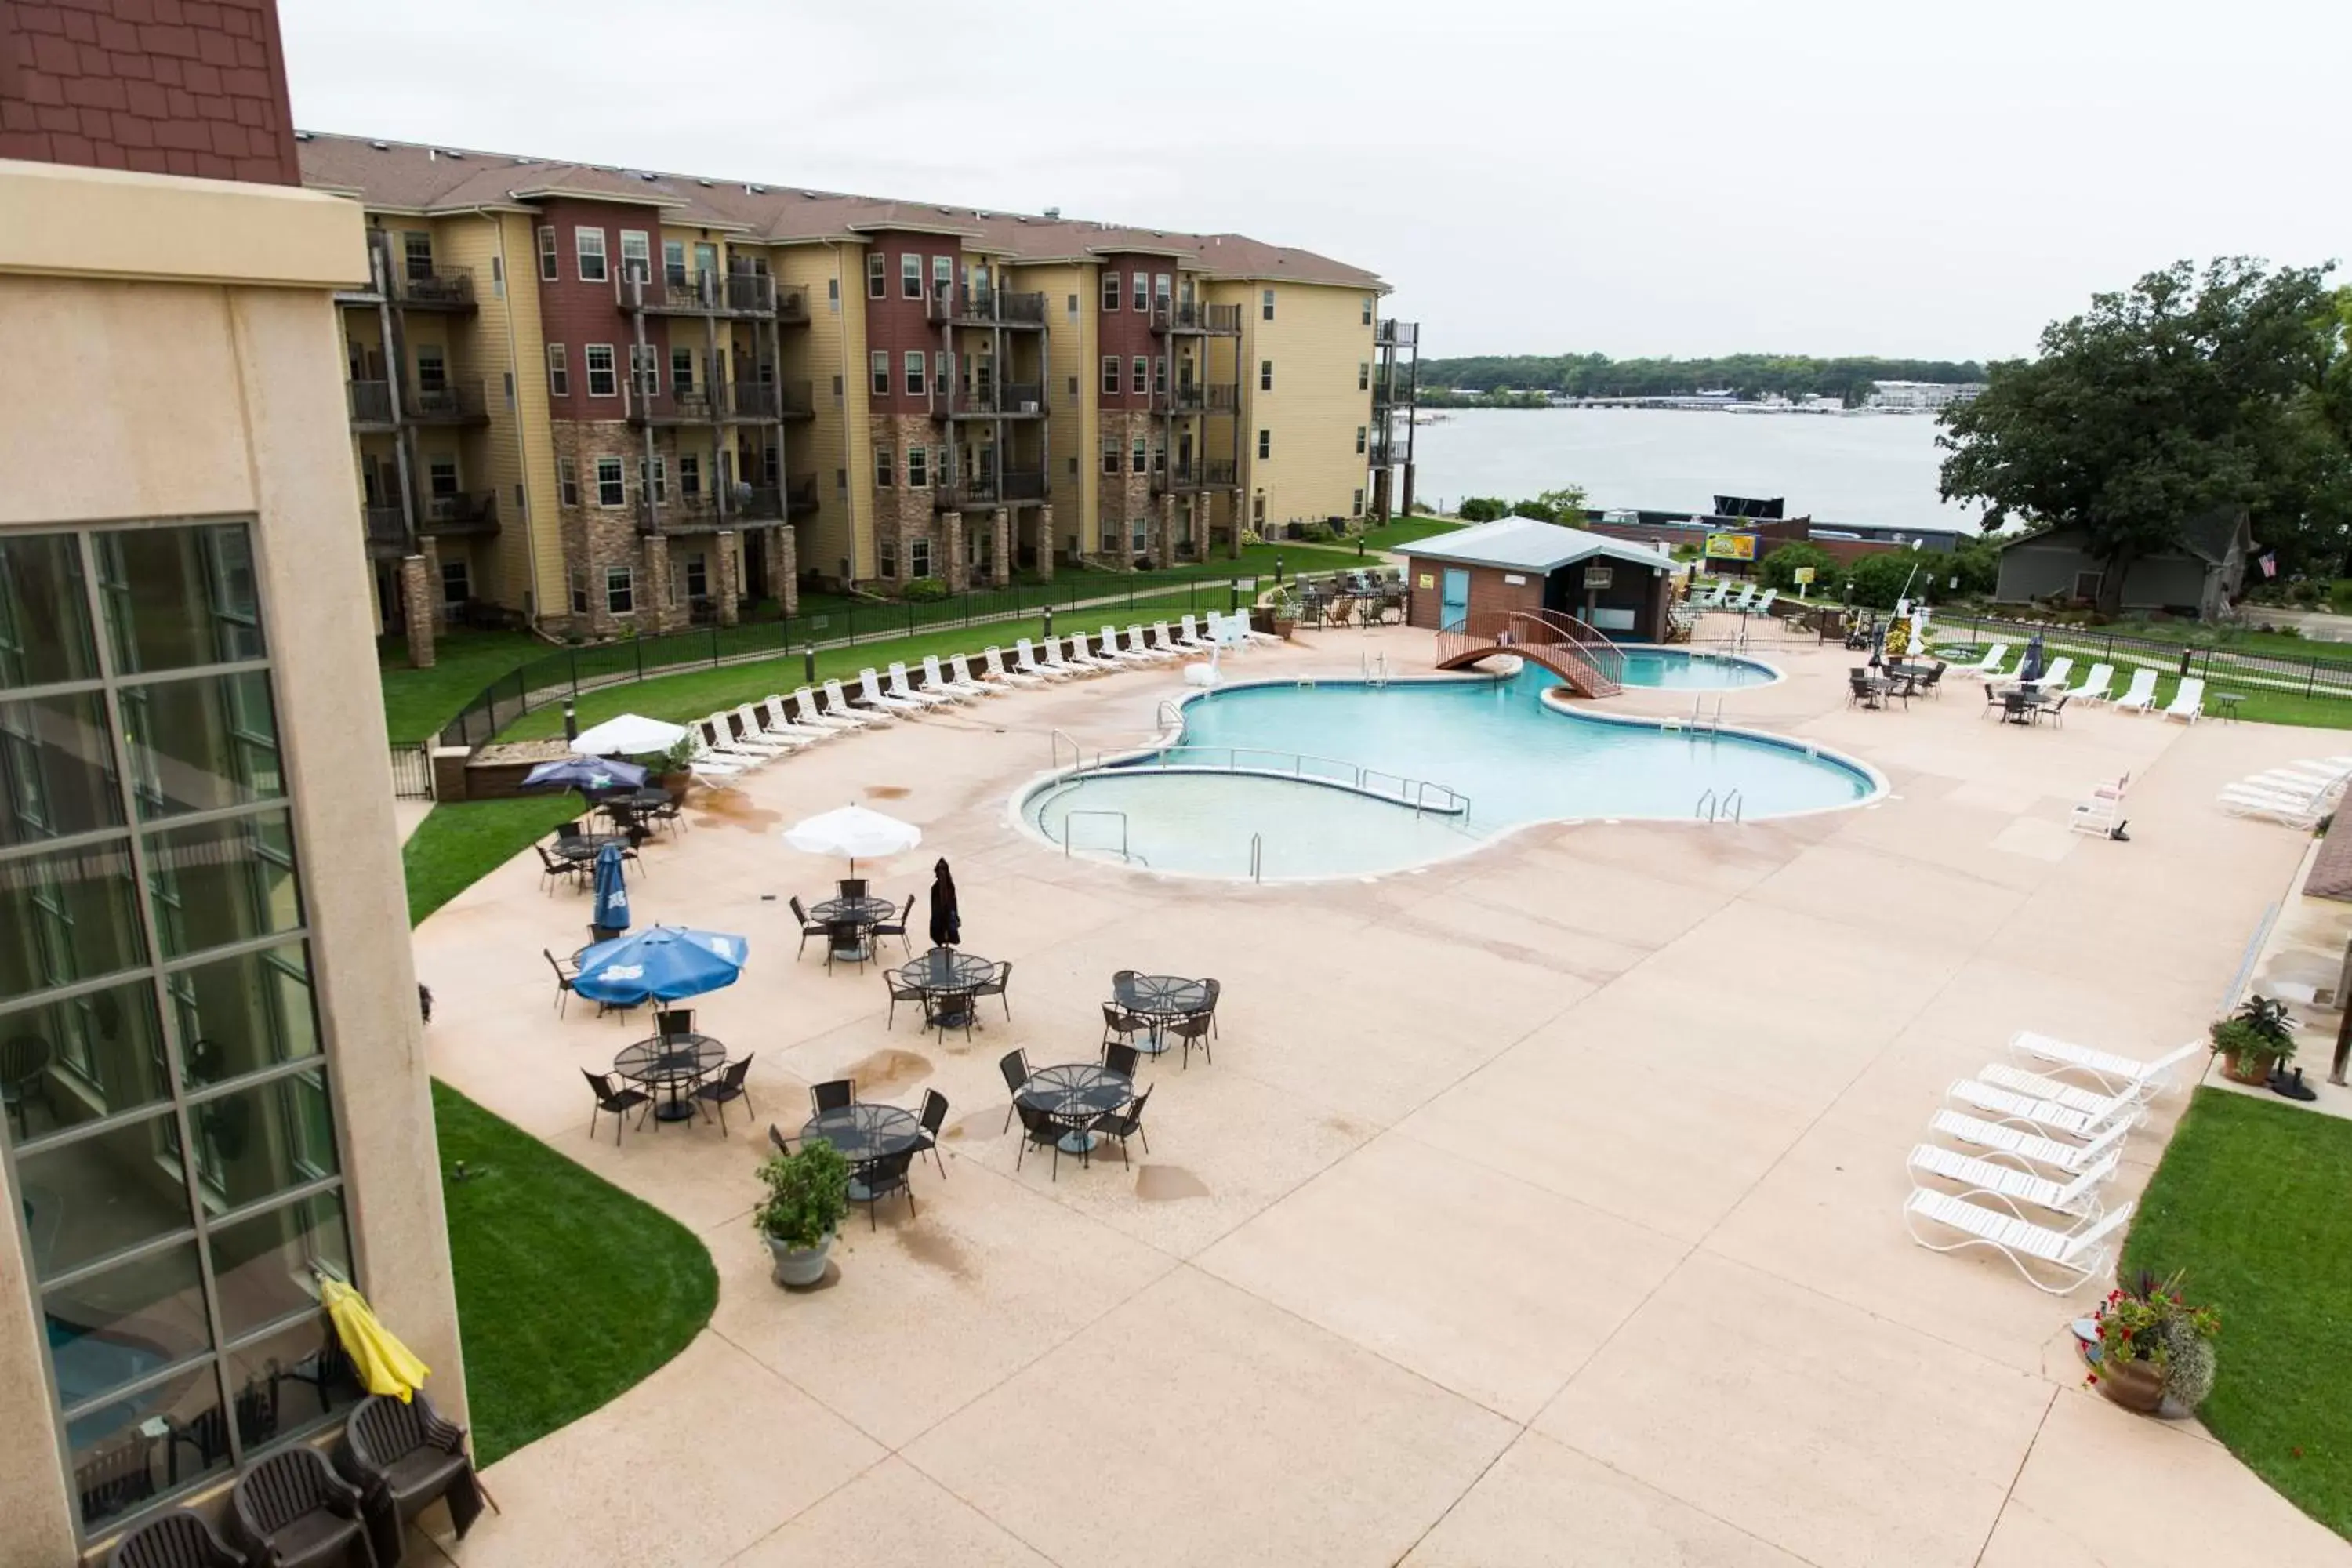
(1493, 742)
(1687, 669)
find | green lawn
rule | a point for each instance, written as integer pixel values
(2257, 704)
(570, 1291)
(417, 702)
(457, 846)
(2250, 1202)
(2195, 635)
(1407, 530)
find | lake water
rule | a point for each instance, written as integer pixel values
(1869, 469)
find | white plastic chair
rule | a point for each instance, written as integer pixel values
(1138, 649)
(2115, 1074)
(2077, 1198)
(1988, 667)
(1763, 607)
(2139, 694)
(870, 692)
(1077, 658)
(2053, 679)
(995, 659)
(936, 680)
(878, 713)
(2187, 703)
(1190, 639)
(840, 718)
(717, 735)
(2029, 1149)
(2073, 1256)
(775, 721)
(2095, 685)
(2102, 1108)
(966, 677)
(1110, 650)
(1045, 666)
(903, 689)
(2043, 1116)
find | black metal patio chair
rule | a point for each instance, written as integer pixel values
(728, 1085)
(1126, 1123)
(934, 1117)
(616, 1098)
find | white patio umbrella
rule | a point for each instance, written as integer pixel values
(630, 736)
(855, 832)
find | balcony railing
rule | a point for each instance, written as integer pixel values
(799, 496)
(371, 402)
(1196, 315)
(434, 290)
(708, 403)
(986, 304)
(769, 400)
(990, 489)
(1403, 334)
(387, 527)
(1203, 474)
(791, 304)
(1197, 397)
(703, 291)
(460, 514)
(449, 402)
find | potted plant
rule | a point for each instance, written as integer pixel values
(2153, 1345)
(2253, 1040)
(1276, 613)
(673, 770)
(808, 1195)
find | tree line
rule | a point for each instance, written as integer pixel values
(1750, 375)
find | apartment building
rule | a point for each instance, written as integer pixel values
(602, 398)
(212, 1079)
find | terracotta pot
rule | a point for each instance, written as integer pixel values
(1284, 626)
(2247, 1069)
(675, 785)
(2134, 1384)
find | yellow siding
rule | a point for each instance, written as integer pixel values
(832, 344)
(1317, 340)
(529, 545)
(1070, 347)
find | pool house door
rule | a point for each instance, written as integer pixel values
(1453, 607)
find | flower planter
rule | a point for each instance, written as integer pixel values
(2248, 1068)
(674, 784)
(2134, 1384)
(798, 1266)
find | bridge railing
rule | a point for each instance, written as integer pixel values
(1559, 641)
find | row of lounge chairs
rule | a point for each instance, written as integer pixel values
(732, 743)
(2187, 703)
(2299, 793)
(2034, 1141)
(1746, 601)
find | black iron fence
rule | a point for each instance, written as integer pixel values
(2325, 672)
(412, 771)
(564, 673)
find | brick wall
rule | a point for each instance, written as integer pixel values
(1487, 590)
(165, 87)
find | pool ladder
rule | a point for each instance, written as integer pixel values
(1068, 833)
(1257, 856)
(1711, 808)
(1376, 668)
(1702, 718)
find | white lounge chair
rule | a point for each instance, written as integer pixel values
(902, 689)
(1190, 639)
(2073, 1256)
(2114, 1073)
(1165, 640)
(1109, 649)
(840, 721)
(2044, 1116)
(706, 751)
(719, 736)
(1225, 631)
(1050, 668)
(836, 702)
(1747, 598)
(961, 673)
(710, 764)
(2102, 813)
(1138, 648)
(1077, 658)
(2297, 808)
(2053, 679)
(2139, 694)
(2029, 1147)
(2077, 1198)
(936, 680)
(775, 721)
(870, 692)
(1987, 667)
(1763, 605)
(2187, 703)
(994, 661)
(2101, 1108)
(2095, 685)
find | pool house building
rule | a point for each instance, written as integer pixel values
(1519, 563)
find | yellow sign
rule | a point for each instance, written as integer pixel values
(1732, 547)
(1804, 575)
(1428, 580)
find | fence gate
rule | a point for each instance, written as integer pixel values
(412, 772)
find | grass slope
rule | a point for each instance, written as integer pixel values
(570, 1291)
(457, 846)
(417, 702)
(1407, 530)
(2250, 1202)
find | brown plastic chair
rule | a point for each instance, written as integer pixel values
(179, 1539)
(291, 1510)
(403, 1458)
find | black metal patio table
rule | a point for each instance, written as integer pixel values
(1162, 998)
(629, 810)
(865, 913)
(947, 976)
(1075, 1093)
(671, 1062)
(864, 1134)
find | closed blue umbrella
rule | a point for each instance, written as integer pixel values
(2033, 667)
(612, 891)
(585, 773)
(660, 963)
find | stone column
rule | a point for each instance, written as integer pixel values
(416, 586)
(784, 566)
(729, 577)
(959, 544)
(1045, 543)
(1000, 554)
(654, 612)
(1164, 534)
(430, 548)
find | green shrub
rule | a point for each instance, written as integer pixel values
(1878, 580)
(924, 591)
(1484, 509)
(1778, 569)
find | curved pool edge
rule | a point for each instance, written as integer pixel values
(1017, 800)
(1776, 674)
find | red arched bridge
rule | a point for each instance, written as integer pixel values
(1590, 664)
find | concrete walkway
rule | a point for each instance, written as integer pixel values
(1539, 1207)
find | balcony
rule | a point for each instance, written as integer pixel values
(460, 515)
(370, 404)
(758, 401)
(994, 400)
(1401, 334)
(737, 402)
(458, 402)
(1205, 474)
(449, 292)
(792, 305)
(1197, 397)
(1196, 315)
(990, 491)
(387, 531)
(799, 496)
(985, 306)
(701, 291)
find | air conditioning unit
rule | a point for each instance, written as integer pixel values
(1030, 406)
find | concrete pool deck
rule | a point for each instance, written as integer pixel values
(1541, 1206)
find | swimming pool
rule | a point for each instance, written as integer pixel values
(1486, 757)
(1691, 669)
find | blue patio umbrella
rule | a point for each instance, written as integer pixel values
(2033, 666)
(659, 963)
(612, 891)
(585, 774)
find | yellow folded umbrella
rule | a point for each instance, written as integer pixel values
(385, 1365)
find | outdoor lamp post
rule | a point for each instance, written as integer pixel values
(808, 664)
(571, 721)
(1277, 568)
(1049, 620)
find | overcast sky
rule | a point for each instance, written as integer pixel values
(1645, 177)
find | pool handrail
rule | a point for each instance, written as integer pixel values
(1414, 792)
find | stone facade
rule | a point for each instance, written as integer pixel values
(417, 586)
(1125, 498)
(1000, 535)
(1044, 521)
(903, 512)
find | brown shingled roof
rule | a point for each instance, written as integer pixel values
(407, 177)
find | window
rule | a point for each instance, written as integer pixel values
(417, 254)
(918, 558)
(611, 485)
(1111, 376)
(1159, 375)
(1073, 389)
(1258, 510)
(498, 277)
(1266, 305)
(601, 380)
(656, 480)
(1143, 292)
(454, 588)
(636, 255)
(1138, 456)
(882, 467)
(645, 369)
(1160, 289)
(943, 376)
(914, 372)
(1364, 375)
(567, 483)
(1110, 453)
(673, 263)
(441, 478)
(698, 577)
(1110, 291)
(880, 367)
(507, 377)
(689, 475)
(682, 371)
(1359, 438)
(1265, 375)
(432, 370)
(588, 246)
(1368, 321)
(579, 580)
(1074, 307)
(877, 275)
(1159, 457)
(918, 469)
(547, 253)
(1358, 511)
(911, 276)
(1264, 445)
(620, 591)
(943, 272)
(887, 557)
(214, 932)
(1141, 382)
(833, 295)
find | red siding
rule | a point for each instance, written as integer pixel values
(576, 314)
(157, 86)
(1127, 332)
(895, 325)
